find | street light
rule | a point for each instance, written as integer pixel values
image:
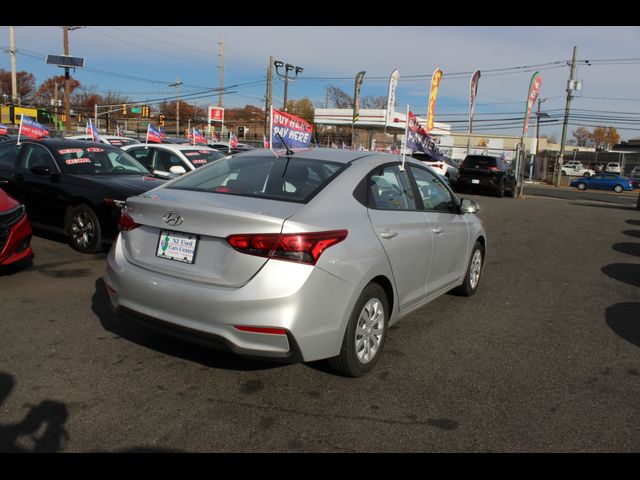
(288, 67)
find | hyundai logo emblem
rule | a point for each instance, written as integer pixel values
(172, 218)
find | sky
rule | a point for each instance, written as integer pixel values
(141, 61)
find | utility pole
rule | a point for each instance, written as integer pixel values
(570, 88)
(539, 114)
(269, 95)
(221, 71)
(177, 85)
(14, 78)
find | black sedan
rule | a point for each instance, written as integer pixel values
(73, 187)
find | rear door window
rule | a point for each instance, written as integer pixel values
(390, 190)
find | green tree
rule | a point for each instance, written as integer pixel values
(302, 108)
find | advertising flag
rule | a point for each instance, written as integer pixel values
(93, 131)
(153, 135)
(198, 137)
(417, 137)
(475, 78)
(233, 140)
(3, 129)
(433, 95)
(32, 129)
(119, 131)
(356, 96)
(163, 134)
(295, 131)
(534, 90)
(391, 96)
(265, 142)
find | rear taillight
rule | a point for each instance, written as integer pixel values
(296, 247)
(493, 169)
(125, 222)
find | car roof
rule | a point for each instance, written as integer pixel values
(337, 155)
(171, 146)
(62, 142)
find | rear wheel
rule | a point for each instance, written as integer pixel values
(618, 188)
(582, 186)
(365, 335)
(83, 229)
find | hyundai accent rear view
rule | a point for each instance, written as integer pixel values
(302, 257)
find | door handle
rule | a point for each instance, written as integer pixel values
(388, 234)
(437, 230)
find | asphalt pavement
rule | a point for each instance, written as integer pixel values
(544, 358)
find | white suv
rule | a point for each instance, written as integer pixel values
(613, 167)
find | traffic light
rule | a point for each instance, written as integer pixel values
(124, 108)
(161, 119)
(146, 111)
(79, 118)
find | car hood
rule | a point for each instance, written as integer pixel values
(126, 185)
(7, 202)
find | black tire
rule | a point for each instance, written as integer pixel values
(83, 229)
(474, 272)
(352, 360)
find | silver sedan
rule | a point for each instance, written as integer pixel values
(302, 257)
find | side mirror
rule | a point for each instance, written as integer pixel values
(178, 170)
(41, 170)
(469, 206)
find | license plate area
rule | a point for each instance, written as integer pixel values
(177, 246)
(476, 181)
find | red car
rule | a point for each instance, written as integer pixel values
(15, 231)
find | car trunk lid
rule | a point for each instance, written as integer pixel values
(201, 220)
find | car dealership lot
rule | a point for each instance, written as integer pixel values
(543, 358)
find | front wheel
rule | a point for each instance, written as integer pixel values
(582, 186)
(83, 229)
(474, 270)
(365, 335)
(618, 189)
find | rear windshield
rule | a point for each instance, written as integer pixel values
(296, 180)
(481, 161)
(201, 157)
(98, 160)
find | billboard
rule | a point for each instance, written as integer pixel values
(216, 114)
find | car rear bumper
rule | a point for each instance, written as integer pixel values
(309, 304)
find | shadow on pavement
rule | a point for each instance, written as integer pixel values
(41, 430)
(629, 248)
(624, 320)
(624, 272)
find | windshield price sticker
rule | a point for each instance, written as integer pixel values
(177, 246)
(74, 161)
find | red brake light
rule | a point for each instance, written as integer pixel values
(296, 247)
(125, 222)
(493, 169)
(263, 330)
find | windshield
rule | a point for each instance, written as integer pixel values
(201, 157)
(102, 160)
(294, 180)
